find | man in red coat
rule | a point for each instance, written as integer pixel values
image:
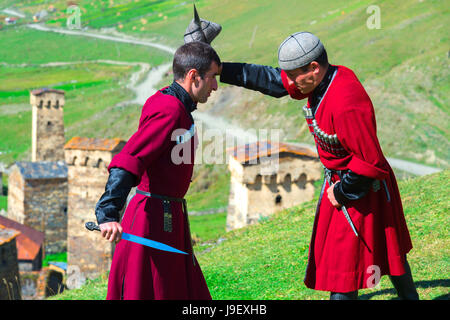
(346, 253)
(159, 160)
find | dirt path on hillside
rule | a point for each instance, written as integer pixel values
(103, 36)
(147, 87)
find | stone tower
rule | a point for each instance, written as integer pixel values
(88, 254)
(47, 125)
(268, 177)
(37, 197)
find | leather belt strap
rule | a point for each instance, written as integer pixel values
(153, 195)
(183, 201)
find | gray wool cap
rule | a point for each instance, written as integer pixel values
(298, 50)
(201, 30)
(209, 31)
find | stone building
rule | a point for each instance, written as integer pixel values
(37, 197)
(47, 125)
(268, 177)
(87, 160)
(30, 245)
(9, 270)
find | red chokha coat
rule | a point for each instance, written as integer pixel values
(139, 272)
(338, 260)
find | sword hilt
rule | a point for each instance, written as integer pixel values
(91, 226)
(343, 208)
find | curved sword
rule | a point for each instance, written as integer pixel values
(91, 226)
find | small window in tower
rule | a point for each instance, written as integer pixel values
(49, 123)
(278, 199)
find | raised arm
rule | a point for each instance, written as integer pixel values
(264, 79)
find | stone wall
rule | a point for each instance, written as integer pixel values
(88, 253)
(40, 203)
(46, 211)
(16, 196)
(256, 192)
(9, 270)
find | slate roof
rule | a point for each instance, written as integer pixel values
(83, 143)
(42, 169)
(6, 234)
(39, 92)
(256, 150)
(29, 241)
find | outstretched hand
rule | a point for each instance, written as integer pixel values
(111, 231)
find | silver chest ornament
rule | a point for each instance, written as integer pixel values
(327, 142)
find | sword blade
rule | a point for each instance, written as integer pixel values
(150, 243)
(349, 220)
(91, 226)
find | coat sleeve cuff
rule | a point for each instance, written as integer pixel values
(128, 163)
(338, 195)
(363, 168)
(230, 73)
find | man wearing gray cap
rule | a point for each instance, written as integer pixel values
(360, 232)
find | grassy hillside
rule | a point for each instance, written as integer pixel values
(91, 88)
(403, 65)
(268, 260)
(407, 80)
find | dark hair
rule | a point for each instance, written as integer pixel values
(193, 55)
(322, 59)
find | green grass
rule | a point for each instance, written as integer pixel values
(55, 257)
(207, 227)
(4, 195)
(17, 81)
(37, 47)
(278, 249)
(92, 290)
(209, 188)
(268, 260)
(90, 88)
(83, 84)
(407, 80)
(413, 124)
(3, 202)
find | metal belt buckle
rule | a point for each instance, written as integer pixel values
(167, 216)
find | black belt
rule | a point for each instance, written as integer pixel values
(168, 213)
(166, 198)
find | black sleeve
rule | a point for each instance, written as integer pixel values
(116, 192)
(352, 186)
(256, 77)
